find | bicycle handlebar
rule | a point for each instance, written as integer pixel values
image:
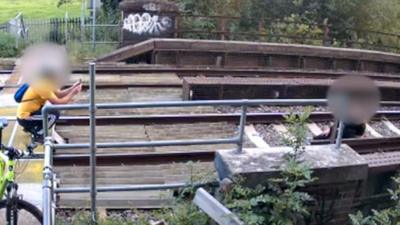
(12, 153)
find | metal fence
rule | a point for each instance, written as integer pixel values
(49, 188)
(70, 29)
(62, 30)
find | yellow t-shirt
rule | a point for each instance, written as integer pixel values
(35, 97)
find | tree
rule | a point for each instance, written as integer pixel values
(110, 11)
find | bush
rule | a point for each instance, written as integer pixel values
(281, 201)
(83, 218)
(389, 216)
(7, 45)
(185, 213)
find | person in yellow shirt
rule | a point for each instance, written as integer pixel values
(43, 90)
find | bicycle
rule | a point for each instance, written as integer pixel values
(13, 209)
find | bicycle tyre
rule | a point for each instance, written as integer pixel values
(28, 207)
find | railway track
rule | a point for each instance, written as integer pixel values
(163, 165)
(231, 84)
(382, 153)
(127, 69)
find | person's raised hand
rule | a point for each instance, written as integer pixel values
(77, 89)
(79, 82)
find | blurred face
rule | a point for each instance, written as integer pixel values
(49, 77)
(353, 99)
(45, 61)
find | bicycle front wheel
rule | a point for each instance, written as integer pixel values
(26, 213)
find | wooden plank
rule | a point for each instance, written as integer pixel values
(244, 49)
(136, 79)
(128, 52)
(255, 137)
(272, 48)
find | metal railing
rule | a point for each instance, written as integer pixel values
(49, 189)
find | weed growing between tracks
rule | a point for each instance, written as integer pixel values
(280, 201)
(184, 212)
(83, 218)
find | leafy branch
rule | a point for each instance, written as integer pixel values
(280, 201)
(389, 216)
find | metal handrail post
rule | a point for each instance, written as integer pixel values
(242, 124)
(339, 136)
(343, 100)
(47, 187)
(45, 113)
(92, 111)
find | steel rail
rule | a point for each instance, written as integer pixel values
(112, 159)
(143, 187)
(202, 118)
(235, 72)
(165, 104)
(242, 72)
(360, 145)
(137, 144)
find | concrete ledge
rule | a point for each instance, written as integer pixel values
(257, 165)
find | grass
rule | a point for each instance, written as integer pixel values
(82, 52)
(38, 9)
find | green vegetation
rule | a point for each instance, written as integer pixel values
(83, 218)
(389, 216)
(344, 20)
(279, 202)
(82, 52)
(8, 47)
(38, 9)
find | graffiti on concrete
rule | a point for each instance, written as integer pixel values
(151, 7)
(146, 23)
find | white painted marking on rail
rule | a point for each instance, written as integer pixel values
(392, 127)
(255, 137)
(372, 131)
